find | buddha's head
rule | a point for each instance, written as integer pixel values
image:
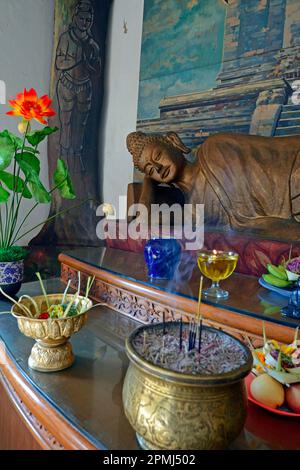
(83, 15)
(159, 157)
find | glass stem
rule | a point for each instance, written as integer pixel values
(215, 285)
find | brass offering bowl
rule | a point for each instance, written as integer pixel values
(52, 350)
(175, 411)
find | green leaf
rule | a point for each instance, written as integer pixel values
(39, 191)
(35, 138)
(15, 184)
(18, 142)
(30, 159)
(62, 179)
(31, 149)
(37, 188)
(7, 150)
(4, 195)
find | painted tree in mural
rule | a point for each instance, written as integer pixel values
(77, 91)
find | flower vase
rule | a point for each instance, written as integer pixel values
(11, 276)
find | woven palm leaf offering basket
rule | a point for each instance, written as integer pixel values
(277, 375)
(184, 388)
(51, 319)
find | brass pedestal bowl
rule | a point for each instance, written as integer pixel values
(175, 411)
(52, 351)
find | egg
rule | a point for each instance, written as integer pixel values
(267, 391)
(292, 396)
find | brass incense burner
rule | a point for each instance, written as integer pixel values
(170, 410)
(52, 350)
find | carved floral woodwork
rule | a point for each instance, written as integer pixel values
(142, 309)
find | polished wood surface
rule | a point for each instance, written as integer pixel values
(15, 429)
(27, 413)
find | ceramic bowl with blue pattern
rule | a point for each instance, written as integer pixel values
(11, 276)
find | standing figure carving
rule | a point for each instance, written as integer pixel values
(77, 59)
(77, 90)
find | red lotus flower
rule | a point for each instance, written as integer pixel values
(29, 106)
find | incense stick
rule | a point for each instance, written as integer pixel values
(180, 335)
(200, 336)
(199, 298)
(79, 282)
(296, 336)
(264, 333)
(290, 253)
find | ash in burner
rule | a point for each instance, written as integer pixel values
(219, 353)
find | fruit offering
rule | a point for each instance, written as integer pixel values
(267, 391)
(293, 397)
(277, 276)
(277, 367)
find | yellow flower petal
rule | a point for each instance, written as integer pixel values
(22, 126)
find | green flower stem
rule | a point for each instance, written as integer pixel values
(16, 215)
(6, 223)
(15, 219)
(53, 217)
(1, 227)
(12, 212)
(30, 211)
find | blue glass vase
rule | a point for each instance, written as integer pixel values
(162, 256)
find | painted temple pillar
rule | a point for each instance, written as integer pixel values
(289, 56)
(292, 24)
(253, 30)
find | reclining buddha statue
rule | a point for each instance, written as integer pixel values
(244, 181)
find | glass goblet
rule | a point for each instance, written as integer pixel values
(217, 265)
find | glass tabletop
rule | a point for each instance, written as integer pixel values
(89, 394)
(246, 296)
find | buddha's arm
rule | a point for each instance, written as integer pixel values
(145, 198)
(148, 192)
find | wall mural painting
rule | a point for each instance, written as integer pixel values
(215, 66)
(77, 91)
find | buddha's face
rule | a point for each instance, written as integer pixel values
(161, 162)
(84, 20)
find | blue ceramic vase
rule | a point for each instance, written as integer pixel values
(162, 256)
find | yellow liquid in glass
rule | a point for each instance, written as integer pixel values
(217, 266)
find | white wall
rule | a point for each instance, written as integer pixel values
(26, 31)
(121, 88)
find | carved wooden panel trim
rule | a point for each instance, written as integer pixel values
(143, 309)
